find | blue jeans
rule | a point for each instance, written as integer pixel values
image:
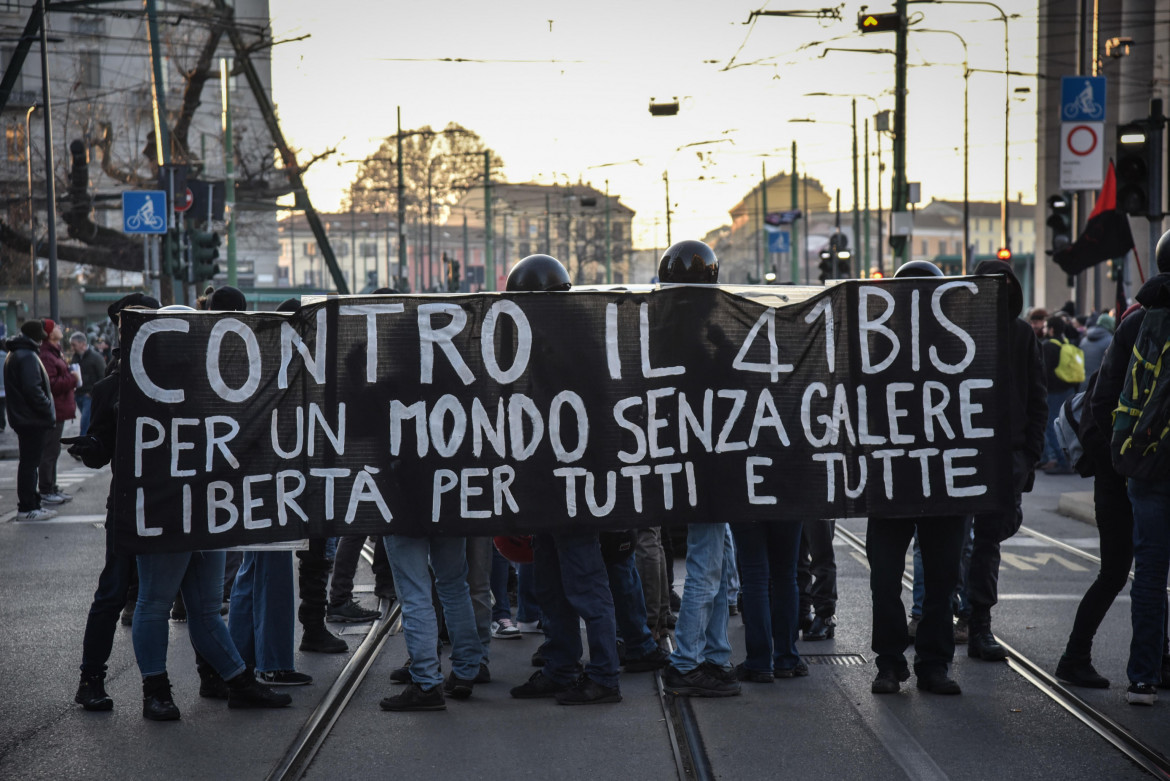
(527, 607)
(84, 405)
(733, 584)
(771, 599)
(199, 576)
(447, 556)
(501, 607)
(574, 587)
(262, 616)
(959, 604)
(629, 605)
(701, 632)
(1151, 563)
(1053, 449)
(108, 601)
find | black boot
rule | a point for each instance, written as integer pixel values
(91, 693)
(157, 704)
(244, 691)
(1079, 671)
(312, 577)
(981, 644)
(211, 685)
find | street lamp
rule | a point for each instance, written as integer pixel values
(32, 219)
(1004, 234)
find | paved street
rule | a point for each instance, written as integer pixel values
(825, 726)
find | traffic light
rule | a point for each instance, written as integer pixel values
(1004, 253)
(171, 260)
(452, 274)
(879, 23)
(1134, 172)
(203, 254)
(1060, 221)
(826, 264)
(836, 259)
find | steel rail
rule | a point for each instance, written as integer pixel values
(686, 741)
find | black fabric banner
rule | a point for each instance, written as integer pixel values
(515, 413)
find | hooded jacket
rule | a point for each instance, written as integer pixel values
(29, 398)
(1028, 411)
(1094, 344)
(1155, 294)
(61, 380)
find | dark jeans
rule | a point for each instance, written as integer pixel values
(345, 561)
(47, 476)
(766, 554)
(941, 541)
(983, 578)
(629, 604)
(31, 442)
(1151, 559)
(1115, 526)
(816, 572)
(108, 602)
(527, 601)
(573, 586)
(502, 606)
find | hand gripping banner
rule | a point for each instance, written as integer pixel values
(525, 412)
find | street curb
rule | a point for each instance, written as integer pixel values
(9, 453)
(1079, 506)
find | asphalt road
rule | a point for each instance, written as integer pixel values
(825, 726)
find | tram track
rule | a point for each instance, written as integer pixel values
(686, 741)
(1067, 547)
(1138, 751)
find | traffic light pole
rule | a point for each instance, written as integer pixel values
(229, 175)
(794, 181)
(763, 217)
(856, 195)
(899, 194)
(1154, 212)
(489, 257)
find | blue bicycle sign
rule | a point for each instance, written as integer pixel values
(1082, 98)
(144, 211)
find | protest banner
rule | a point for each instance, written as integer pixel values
(529, 412)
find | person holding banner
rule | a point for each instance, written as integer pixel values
(941, 541)
(701, 663)
(572, 584)
(1028, 415)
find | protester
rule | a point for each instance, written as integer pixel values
(1027, 412)
(93, 368)
(30, 413)
(816, 576)
(63, 381)
(1094, 344)
(571, 580)
(3, 356)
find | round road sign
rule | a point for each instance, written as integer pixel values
(188, 199)
(1082, 140)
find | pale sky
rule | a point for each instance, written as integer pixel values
(552, 120)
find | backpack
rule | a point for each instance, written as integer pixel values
(1068, 424)
(1142, 418)
(1071, 367)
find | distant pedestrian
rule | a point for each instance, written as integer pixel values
(63, 381)
(93, 368)
(1096, 342)
(30, 412)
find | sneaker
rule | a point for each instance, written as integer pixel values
(244, 691)
(799, 671)
(39, 514)
(655, 660)
(505, 629)
(528, 627)
(415, 697)
(458, 688)
(754, 676)
(697, 683)
(586, 691)
(56, 498)
(539, 685)
(912, 627)
(351, 613)
(1141, 694)
(285, 678)
(962, 631)
(719, 673)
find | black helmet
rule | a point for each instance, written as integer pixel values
(689, 261)
(1162, 253)
(538, 273)
(918, 268)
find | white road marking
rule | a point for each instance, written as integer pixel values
(68, 519)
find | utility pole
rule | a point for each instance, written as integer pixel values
(50, 185)
(865, 219)
(489, 258)
(898, 205)
(402, 277)
(856, 198)
(547, 224)
(666, 179)
(229, 175)
(608, 240)
(466, 248)
(763, 216)
(162, 147)
(794, 182)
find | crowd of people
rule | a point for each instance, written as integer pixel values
(619, 585)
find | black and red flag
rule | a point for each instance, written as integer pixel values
(1106, 235)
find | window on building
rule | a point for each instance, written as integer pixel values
(369, 249)
(14, 136)
(91, 69)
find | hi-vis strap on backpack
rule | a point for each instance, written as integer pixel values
(1141, 421)
(1071, 367)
